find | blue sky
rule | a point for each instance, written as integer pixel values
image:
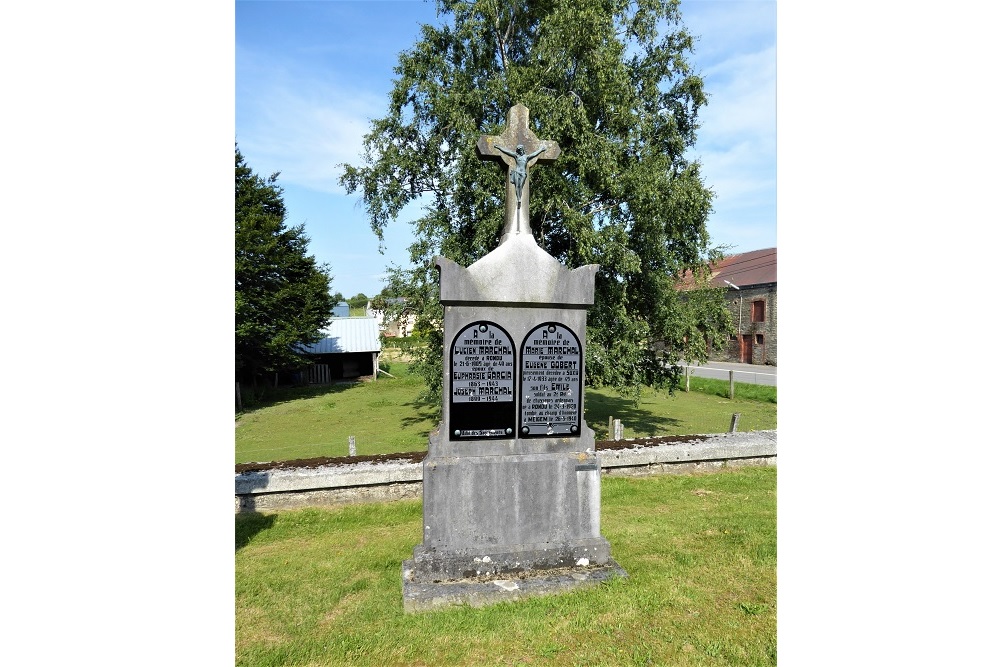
(311, 75)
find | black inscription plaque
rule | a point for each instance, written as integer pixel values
(482, 383)
(551, 382)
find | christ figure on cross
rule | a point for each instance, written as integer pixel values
(519, 172)
(516, 164)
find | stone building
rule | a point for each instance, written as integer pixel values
(752, 281)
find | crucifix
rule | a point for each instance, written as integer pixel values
(518, 149)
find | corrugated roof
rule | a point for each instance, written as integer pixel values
(348, 334)
(748, 268)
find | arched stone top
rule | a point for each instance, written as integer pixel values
(517, 272)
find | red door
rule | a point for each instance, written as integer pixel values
(746, 348)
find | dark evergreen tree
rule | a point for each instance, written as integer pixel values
(283, 297)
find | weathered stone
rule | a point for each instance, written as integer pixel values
(341, 483)
(483, 591)
(511, 481)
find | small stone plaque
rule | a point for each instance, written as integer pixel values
(482, 383)
(551, 382)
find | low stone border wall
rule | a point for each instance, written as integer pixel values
(270, 490)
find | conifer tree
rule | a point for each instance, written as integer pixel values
(283, 297)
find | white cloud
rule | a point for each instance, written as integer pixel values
(742, 98)
(300, 123)
(722, 26)
(737, 141)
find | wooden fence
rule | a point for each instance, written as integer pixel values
(318, 374)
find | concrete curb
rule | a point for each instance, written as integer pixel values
(394, 480)
(718, 447)
(329, 477)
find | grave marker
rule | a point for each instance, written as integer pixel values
(511, 477)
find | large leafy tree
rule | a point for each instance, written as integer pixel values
(611, 82)
(283, 297)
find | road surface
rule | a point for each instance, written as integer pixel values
(748, 373)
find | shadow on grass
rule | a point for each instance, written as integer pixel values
(248, 525)
(421, 411)
(270, 396)
(600, 407)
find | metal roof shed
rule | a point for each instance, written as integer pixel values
(350, 349)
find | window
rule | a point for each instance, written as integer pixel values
(758, 311)
(760, 339)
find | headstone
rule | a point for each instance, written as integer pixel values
(511, 480)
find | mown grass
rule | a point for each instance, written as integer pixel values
(705, 409)
(387, 416)
(323, 586)
(743, 391)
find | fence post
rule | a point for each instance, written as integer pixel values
(732, 386)
(351, 449)
(619, 431)
(736, 422)
(687, 378)
(611, 427)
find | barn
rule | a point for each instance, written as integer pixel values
(350, 350)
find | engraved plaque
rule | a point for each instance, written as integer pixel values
(482, 383)
(551, 382)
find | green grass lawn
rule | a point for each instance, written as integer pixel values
(386, 416)
(705, 409)
(323, 586)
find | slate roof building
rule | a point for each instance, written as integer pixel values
(350, 350)
(752, 281)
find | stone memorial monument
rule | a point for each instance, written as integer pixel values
(511, 480)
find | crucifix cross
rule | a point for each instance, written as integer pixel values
(518, 149)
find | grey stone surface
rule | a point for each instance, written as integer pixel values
(486, 501)
(433, 564)
(517, 272)
(368, 482)
(328, 497)
(304, 479)
(483, 591)
(720, 447)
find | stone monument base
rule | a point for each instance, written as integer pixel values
(431, 565)
(480, 591)
(506, 520)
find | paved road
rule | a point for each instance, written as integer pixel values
(749, 373)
